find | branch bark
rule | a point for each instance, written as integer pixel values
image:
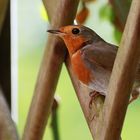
(122, 77)
(54, 55)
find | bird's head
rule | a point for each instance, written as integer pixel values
(76, 36)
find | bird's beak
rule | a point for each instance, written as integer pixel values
(57, 32)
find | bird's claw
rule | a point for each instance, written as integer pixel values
(93, 95)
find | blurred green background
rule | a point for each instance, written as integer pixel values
(32, 26)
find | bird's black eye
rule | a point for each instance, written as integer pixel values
(75, 30)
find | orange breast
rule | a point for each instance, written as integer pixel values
(80, 69)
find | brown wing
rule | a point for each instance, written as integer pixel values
(101, 53)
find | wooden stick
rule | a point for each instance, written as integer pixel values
(54, 119)
(64, 12)
(122, 77)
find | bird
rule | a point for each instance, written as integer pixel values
(92, 59)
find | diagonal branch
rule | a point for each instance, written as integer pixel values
(122, 77)
(64, 12)
(84, 99)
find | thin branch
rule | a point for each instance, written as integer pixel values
(54, 119)
(49, 71)
(122, 77)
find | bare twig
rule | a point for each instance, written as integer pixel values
(122, 77)
(64, 12)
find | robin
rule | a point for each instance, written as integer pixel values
(92, 59)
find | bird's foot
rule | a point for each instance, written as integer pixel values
(93, 95)
(92, 105)
(135, 95)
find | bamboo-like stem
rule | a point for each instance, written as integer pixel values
(122, 77)
(64, 12)
(7, 126)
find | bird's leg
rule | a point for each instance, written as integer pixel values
(94, 94)
(135, 95)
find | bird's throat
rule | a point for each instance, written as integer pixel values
(74, 45)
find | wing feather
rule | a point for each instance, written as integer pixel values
(99, 58)
(101, 53)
